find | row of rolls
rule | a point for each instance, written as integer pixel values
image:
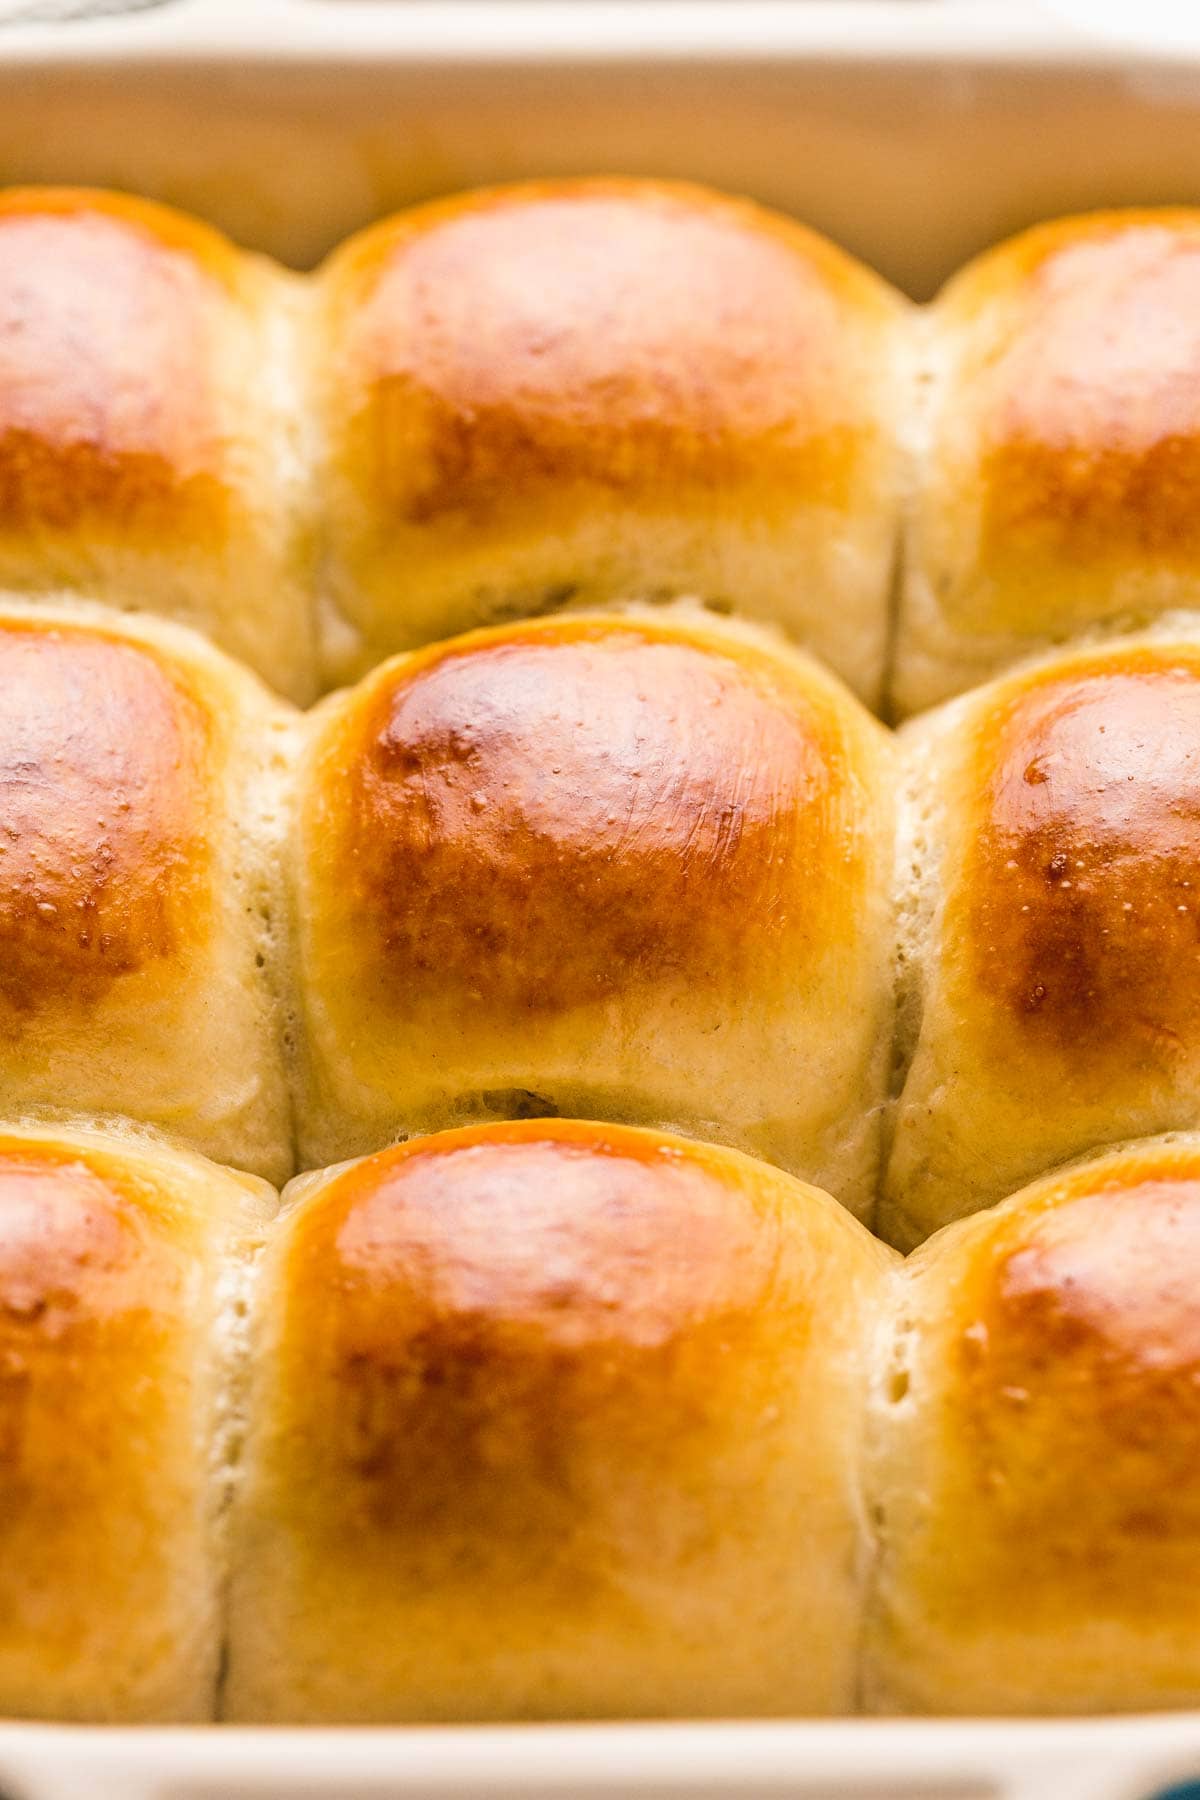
(649, 867)
(548, 1419)
(579, 392)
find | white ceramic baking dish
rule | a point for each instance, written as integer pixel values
(913, 131)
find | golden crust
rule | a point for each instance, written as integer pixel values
(140, 881)
(526, 1238)
(1054, 932)
(80, 1258)
(1051, 1424)
(615, 332)
(1080, 893)
(104, 775)
(1089, 411)
(110, 421)
(621, 863)
(1057, 492)
(153, 222)
(628, 797)
(453, 1310)
(523, 1419)
(596, 390)
(150, 457)
(1076, 1347)
(110, 1253)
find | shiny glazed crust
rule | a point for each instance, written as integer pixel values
(541, 1418)
(113, 1255)
(520, 1421)
(145, 456)
(524, 1419)
(602, 390)
(1037, 1443)
(1058, 484)
(1054, 942)
(140, 891)
(633, 867)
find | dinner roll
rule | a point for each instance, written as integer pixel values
(1060, 490)
(553, 1420)
(1036, 1470)
(139, 869)
(594, 390)
(1052, 942)
(148, 457)
(117, 1256)
(620, 867)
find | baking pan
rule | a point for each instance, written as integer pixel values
(914, 132)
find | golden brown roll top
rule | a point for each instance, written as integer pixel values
(148, 453)
(556, 1420)
(1059, 485)
(1054, 948)
(139, 881)
(602, 390)
(553, 1420)
(105, 811)
(628, 867)
(595, 391)
(113, 1252)
(1037, 1457)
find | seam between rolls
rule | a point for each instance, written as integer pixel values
(903, 884)
(292, 1024)
(295, 473)
(902, 879)
(270, 793)
(914, 363)
(235, 1318)
(887, 1365)
(894, 595)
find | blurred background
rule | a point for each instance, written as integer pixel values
(913, 131)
